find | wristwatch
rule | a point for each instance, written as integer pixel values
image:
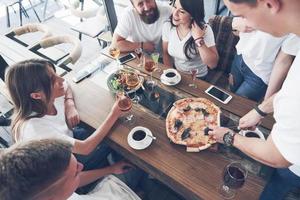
(228, 138)
(199, 42)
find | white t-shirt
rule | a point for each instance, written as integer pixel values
(132, 28)
(291, 45)
(110, 188)
(176, 49)
(286, 130)
(49, 126)
(259, 51)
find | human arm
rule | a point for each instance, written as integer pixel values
(252, 118)
(86, 146)
(128, 46)
(166, 57)
(90, 176)
(208, 53)
(71, 113)
(281, 67)
(239, 24)
(263, 151)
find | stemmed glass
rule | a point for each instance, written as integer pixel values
(139, 53)
(194, 73)
(115, 53)
(234, 177)
(132, 81)
(125, 104)
(149, 66)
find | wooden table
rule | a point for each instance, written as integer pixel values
(193, 175)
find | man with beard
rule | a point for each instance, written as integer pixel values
(141, 26)
(282, 147)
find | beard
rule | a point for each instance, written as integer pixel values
(151, 17)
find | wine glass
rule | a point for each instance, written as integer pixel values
(193, 72)
(115, 53)
(149, 66)
(139, 53)
(125, 104)
(234, 177)
(132, 81)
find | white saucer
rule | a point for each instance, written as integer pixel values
(257, 131)
(173, 83)
(139, 145)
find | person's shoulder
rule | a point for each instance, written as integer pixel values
(167, 25)
(128, 12)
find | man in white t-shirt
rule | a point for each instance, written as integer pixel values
(282, 147)
(46, 169)
(141, 26)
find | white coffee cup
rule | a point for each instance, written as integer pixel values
(170, 76)
(139, 138)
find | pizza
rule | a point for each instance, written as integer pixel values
(188, 120)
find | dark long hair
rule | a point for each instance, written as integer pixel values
(22, 79)
(196, 9)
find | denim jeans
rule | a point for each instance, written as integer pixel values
(245, 82)
(98, 157)
(281, 182)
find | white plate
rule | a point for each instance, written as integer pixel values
(173, 83)
(139, 145)
(257, 131)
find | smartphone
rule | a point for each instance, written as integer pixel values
(218, 94)
(126, 58)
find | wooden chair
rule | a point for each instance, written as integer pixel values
(225, 44)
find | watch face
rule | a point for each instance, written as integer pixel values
(228, 139)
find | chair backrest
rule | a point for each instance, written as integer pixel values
(55, 40)
(29, 28)
(225, 40)
(110, 14)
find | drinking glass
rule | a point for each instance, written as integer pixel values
(125, 104)
(194, 74)
(234, 177)
(139, 53)
(155, 57)
(132, 81)
(115, 53)
(149, 66)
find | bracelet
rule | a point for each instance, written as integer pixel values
(259, 111)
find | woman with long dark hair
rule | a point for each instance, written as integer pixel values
(188, 39)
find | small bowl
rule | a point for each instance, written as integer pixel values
(142, 143)
(255, 134)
